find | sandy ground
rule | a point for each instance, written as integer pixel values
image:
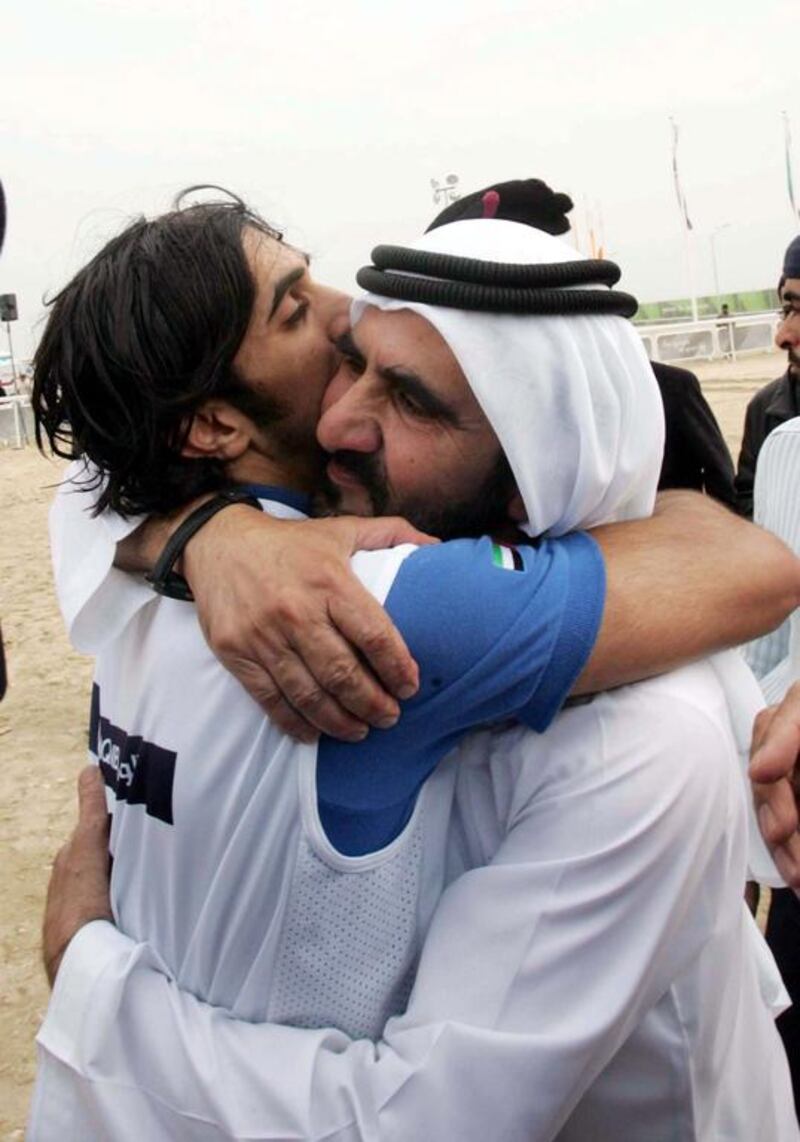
(43, 727)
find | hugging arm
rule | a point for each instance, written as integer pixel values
(283, 612)
(279, 605)
(691, 580)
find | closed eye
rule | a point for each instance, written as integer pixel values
(417, 398)
(298, 315)
(356, 365)
(409, 404)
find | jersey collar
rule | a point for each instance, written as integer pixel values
(300, 501)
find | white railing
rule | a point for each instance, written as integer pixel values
(716, 337)
(16, 415)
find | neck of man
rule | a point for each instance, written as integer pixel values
(299, 475)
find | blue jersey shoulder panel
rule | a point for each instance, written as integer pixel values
(498, 633)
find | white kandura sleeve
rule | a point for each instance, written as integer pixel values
(535, 970)
(96, 599)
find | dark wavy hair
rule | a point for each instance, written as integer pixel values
(135, 343)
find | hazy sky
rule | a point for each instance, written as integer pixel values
(333, 118)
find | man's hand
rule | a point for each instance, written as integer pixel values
(282, 610)
(776, 784)
(79, 883)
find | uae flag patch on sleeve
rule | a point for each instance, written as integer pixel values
(506, 557)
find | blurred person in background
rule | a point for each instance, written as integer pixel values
(775, 658)
(778, 401)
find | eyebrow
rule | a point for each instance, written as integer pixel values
(284, 284)
(407, 381)
(790, 295)
(403, 379)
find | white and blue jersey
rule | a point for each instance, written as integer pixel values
(570, 982)
(293, 882)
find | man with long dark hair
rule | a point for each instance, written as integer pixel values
(294, 885)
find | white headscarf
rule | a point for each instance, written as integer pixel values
(572, 400)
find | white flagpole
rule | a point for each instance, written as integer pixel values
(690, 275)
(687, 225)
(787, 141)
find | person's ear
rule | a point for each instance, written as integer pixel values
(218, 431)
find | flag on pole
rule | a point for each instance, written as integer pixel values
(678, 191)
(594, 227)
(787, 138)
(601, 229)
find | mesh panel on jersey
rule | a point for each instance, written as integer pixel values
(349, 949)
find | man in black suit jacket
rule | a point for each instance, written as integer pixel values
(775, 403)
(695, 453)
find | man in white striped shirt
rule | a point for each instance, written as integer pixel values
(775, 658)
(775, 495)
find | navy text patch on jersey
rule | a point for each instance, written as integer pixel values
(138, 771)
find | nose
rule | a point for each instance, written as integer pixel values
(334, 309)
(348, 421)
(787, 335)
